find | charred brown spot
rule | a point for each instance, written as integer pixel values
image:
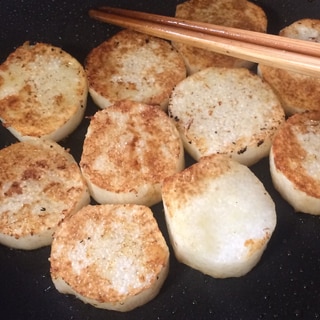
(243, 150)
(31, 173)
(260, 142)
(42, 164)
(62, 166)
(13, 102)
(15, 188)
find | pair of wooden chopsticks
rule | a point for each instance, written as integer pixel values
(281, 52)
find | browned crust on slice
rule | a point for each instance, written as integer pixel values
(129, 146)
(134, 66)
(42, 88)
(232, 13)
(297, 92)
(110, 254)
(292, 151)
(193, 181)
(40, 184)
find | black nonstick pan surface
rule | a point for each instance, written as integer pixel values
(285, 284)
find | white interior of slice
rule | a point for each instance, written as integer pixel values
(219, 216)
(110, 256)
(43, 92)
(147, 194)
(297, 198)
(41, 183)
(226, 111)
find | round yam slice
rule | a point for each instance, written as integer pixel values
(40, 184)
(226, 111)
(110, 256)
(297, 92)
(219, 216)
(240, 14)
(43, 92)
(133, 66)
(294, 162)
(128, 150)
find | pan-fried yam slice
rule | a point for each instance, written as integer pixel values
(232, 13)
(43, 92)
(128, 150)
(40, 184)
(294, 162)
(228, 111)
(219, 216)
(297, 92)
(303, 29)
(133, 66)
(111, 256)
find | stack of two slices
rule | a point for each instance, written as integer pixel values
(294, 156)
(117, 257)
(43, 95)
(219, 215)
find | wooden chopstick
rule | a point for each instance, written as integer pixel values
(281, 52)
(227, 32)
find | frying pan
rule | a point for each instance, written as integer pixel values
(284, 285)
